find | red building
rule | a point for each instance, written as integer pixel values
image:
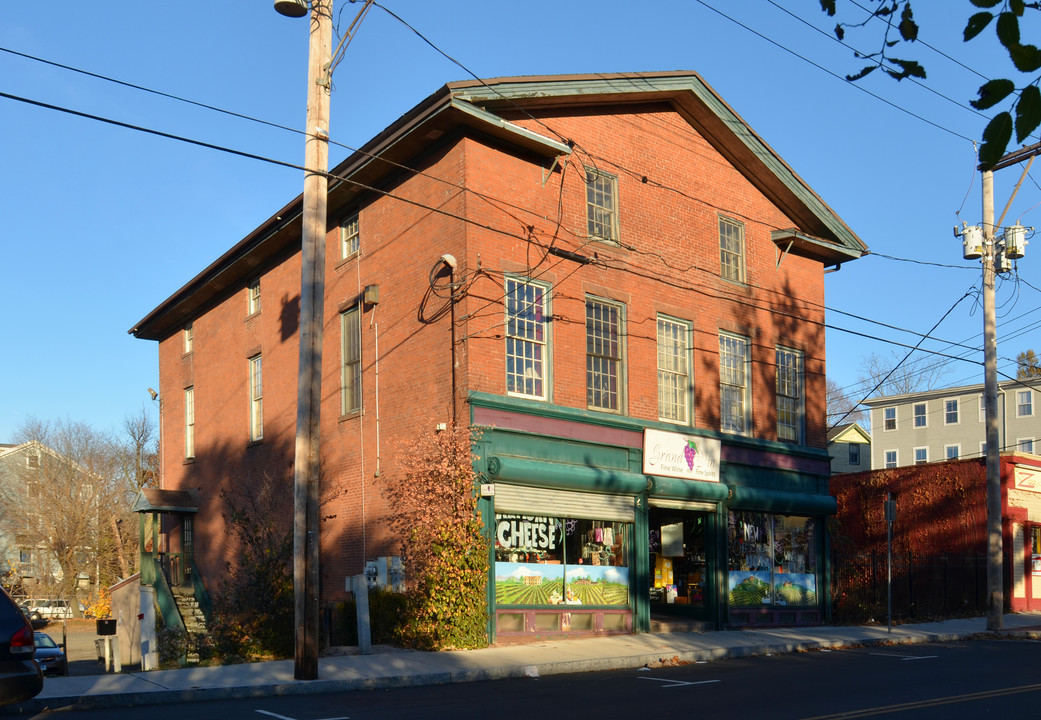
(941, 510)
(612, 273)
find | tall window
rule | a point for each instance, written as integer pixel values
(790, 408)
(350, 352)
(189, 423)
(950, 415)
(889, 418)
(920, 418)
(731, 250)
(349, 236)
(256, 399)
(951, 452)
(735, 415)
(890, 458)
(188, 336)
(602, 205)
(854, 453)
(673, 370)
(603, 354)
(1024, 403)
(253, 305)
(526, 338)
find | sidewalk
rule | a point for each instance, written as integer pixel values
(392, 667)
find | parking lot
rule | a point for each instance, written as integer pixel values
(78, 635)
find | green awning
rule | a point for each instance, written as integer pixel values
(781, 501)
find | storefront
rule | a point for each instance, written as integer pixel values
(596, 528)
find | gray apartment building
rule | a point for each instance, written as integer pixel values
(949, 423)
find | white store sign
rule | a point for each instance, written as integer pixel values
(690, 457)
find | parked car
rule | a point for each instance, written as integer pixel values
(50, 655)
(49, 609)
(20, 675)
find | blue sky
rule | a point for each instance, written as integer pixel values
(99, 224)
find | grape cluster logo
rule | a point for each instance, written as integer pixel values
(690, 451)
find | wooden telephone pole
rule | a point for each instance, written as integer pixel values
(314, 223)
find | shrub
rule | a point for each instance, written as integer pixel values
(444, 551)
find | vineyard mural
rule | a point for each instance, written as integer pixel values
(547, 584)
(762, 588)
(772, 560)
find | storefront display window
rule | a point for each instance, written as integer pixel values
(772, 560)
(560, 561)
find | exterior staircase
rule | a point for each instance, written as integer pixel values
(193, 618)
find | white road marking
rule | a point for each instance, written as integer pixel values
(677, 683)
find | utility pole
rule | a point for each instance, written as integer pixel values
(995, 591)
(314, 223)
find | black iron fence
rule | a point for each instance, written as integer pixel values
(924, 587)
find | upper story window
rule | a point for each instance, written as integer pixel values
(950, 413)
(32, 461)
(854, 453)
(734, 384)
(256, 399)
(920, 418)
(731, 250)
(1024, 403)
(253, 303)
(1025, 445)
(889, 418)
(604, 370)
(790, 402)
(350, 367)
(527, 338)
(983, 409)
(602, 205)
(350, 236)
(921, 455)
(673, 370)
(189, 423)
(188, 336)
(951, 452)
(890, 458)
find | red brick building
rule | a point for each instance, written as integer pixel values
(569, 262)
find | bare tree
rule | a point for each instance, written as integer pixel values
(900, 375)
(62, 501)
(841, 407)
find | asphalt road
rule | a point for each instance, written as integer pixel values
(939, 681)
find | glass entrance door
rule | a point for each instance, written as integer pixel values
(681, 542)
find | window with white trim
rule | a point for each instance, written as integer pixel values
(983, 409)
(952, 452)
(1025, 445)
(1024, 403)
(602, 205)
(921, 455)
(256, 399)
(253, 293)
(188, 336)
(732, 249)
(527, 340)
(790, 399)
(350, 360)
(734, 384)
(350, 235)
(604, 371)
(950, 413)
(889, 418)
(920, 417)
(673, 370)
(189, 423)
(890, 458)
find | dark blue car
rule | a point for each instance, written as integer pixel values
(20, 675)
